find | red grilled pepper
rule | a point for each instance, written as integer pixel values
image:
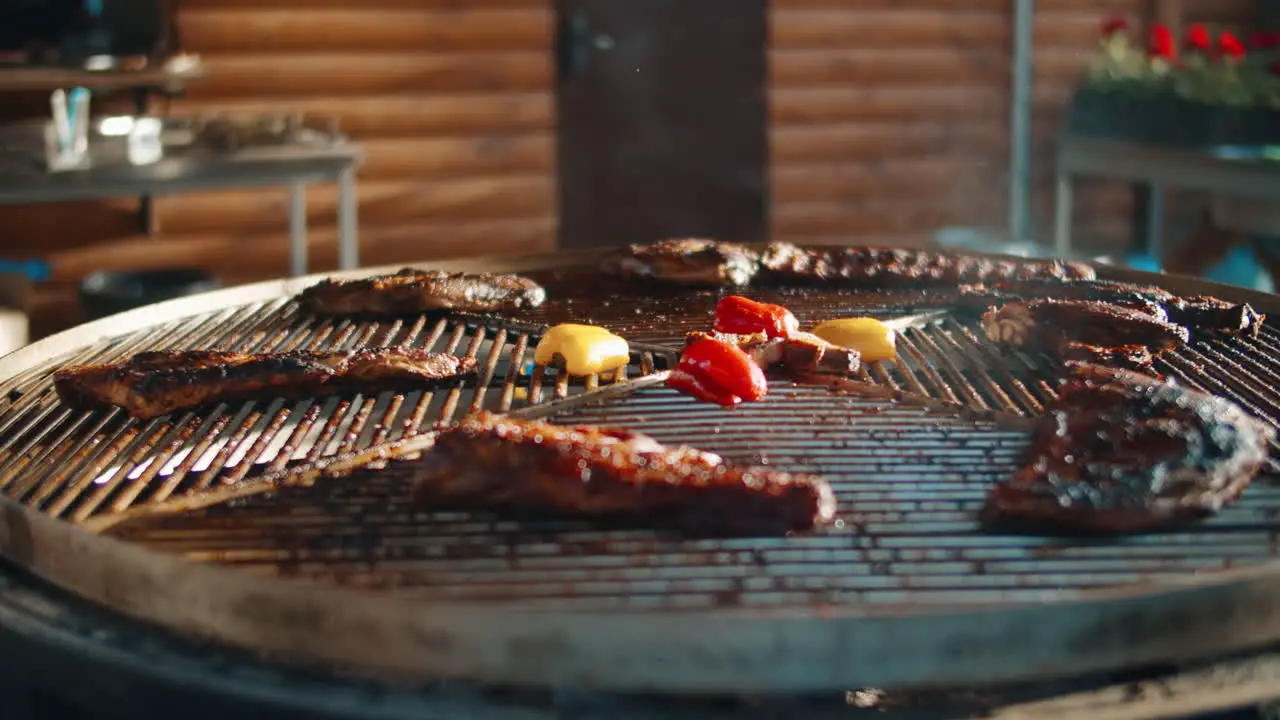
(741, 316)
(718, 372)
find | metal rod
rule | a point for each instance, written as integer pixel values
(1020, 122)
(1062, 214)
(348, 209)
(1154, 240)
(298, 229)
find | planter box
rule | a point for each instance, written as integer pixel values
(1108, 113)
(1183, 123)
(1140, 116)
(1158, 118)
(1246, 126)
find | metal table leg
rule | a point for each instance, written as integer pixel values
(1062, 215)
(1154, 239)
(298, 229)
(348, 207)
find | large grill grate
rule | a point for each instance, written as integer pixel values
(77, 464)
(909, 478)
(908, 484)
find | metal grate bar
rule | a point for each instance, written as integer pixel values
(908, 486)
(29, 397)
(142, 444)
(998, 381)
(83, 452)
(909, 481)
(79, 464)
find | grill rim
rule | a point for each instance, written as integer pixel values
(722, 650)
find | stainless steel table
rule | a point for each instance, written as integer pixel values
(1239, 172)
(24, 179)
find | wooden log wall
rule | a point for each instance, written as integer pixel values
(889, 120)
(452, 101)
(891, 117)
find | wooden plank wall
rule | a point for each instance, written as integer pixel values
(891, 117)
(889, 120)
(452, 100)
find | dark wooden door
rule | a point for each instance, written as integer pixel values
(663, 120)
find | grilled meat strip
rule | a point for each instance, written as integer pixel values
(1200, 313)
(800, 351)
(1137, 358)
(498, 463)
(1121, 452)
(883, 268)
(152, 384)
(410, 292)
(690, 261)
(709, 263)
(1054, 325)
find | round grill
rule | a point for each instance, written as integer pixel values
(906, 591)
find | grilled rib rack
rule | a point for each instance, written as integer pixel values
(906, 593)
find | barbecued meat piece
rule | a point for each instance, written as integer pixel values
(762, 349)
(410, 292)
(498, 463)
(1204, 312)
(690, 261)
(806, 351)
(151, 384)
(1200, 313)
(1050, 324)
(799, 351)
(1122, 452)
(1128, 357)
(880, 268)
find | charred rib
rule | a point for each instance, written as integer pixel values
(1201, 313)
(884, 268)
(1052, 325)
(411, 292)
(152, 384)
(496, 463)
(1137, 358)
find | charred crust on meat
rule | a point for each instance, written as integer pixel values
(1137, 358)
(885, 268)
(710, 263)
(152, 384)
(1121, 452)
(1200, 313)
(697, 262)
(502, 464)
(412, 292)
(1050, 324)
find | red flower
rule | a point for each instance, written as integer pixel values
(1198, 38)
(1265, 40)
(1230, 46)
(1161, 44)
(1113, 26)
